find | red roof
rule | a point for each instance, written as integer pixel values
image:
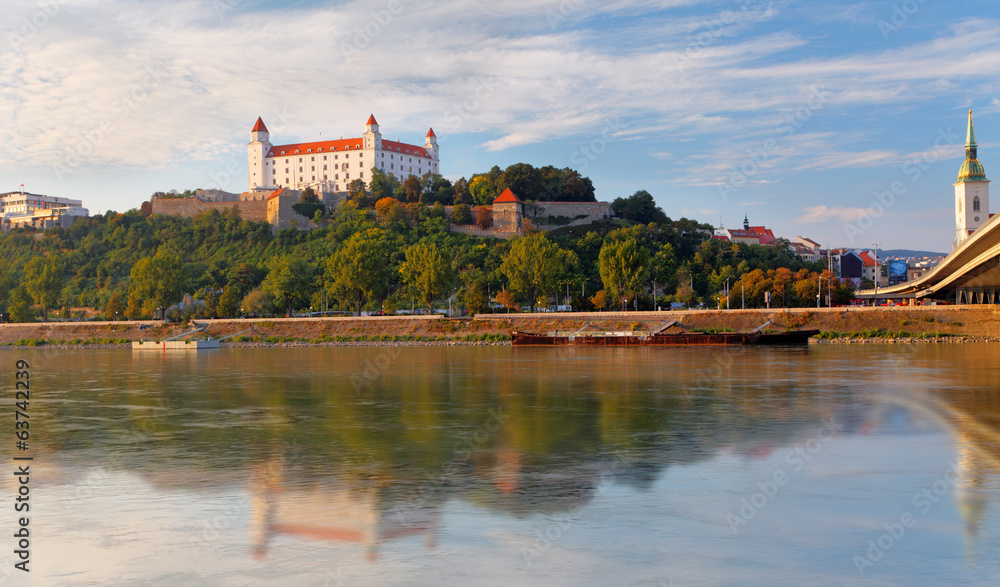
(765, 234)
(430, 133)
(259, 126)
(371, 120)
(275, 194)
(506, 197)
(721, 237)
(342, 145)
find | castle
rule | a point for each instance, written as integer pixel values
(330, 166)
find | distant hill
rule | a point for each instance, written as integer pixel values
(902, 253)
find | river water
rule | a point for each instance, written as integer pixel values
(825, 465)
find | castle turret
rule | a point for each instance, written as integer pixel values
(372, 137)
(972, 191)
(257, 150)
(431, 144)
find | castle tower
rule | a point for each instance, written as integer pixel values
(257, 150)
(372, 137)
(972, 192)
(746, 222)
(431, 144)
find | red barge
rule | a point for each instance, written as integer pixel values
(657, 337)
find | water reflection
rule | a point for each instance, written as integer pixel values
(517, 433)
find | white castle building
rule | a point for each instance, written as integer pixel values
(329, 166)
(972, 192)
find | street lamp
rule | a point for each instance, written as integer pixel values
(727, 291)
(819, 290)
(875, 299)
(116, 315)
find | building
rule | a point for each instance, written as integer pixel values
(511, 216)
(972, 191)
(330, 166)
(749, 235)
(20, 209)
(508, 212)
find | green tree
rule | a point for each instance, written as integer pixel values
(359, 271)
(20, 306)
(159, 280)
(309, 196)
(45, 282)
(359, 193)
(640, 208)
(257, 303)
(533, 267)
(461, 214)
(427, 272)
(624, 269)
(229, 302)
(412, 189)
(383, 185)
(289, 280)
(114, 308)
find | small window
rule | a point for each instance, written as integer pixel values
(975, 204)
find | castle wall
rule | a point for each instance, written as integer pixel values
(191, 207)
(591, 212)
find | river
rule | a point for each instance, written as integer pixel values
(820, 465)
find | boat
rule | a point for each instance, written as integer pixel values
(658, 337)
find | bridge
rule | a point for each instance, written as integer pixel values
(971, 273)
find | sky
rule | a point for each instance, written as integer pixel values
(839, 121)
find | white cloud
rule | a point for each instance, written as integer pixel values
(816, 214)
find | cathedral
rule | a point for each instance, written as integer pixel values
(972, 192)
(330, 166)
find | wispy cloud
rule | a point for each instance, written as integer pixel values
(817, 214)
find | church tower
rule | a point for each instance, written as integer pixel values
(972, 192)
(257, 150)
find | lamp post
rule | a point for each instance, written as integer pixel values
(875, 299)
(727, 291)
(819, 288)
(116, 315)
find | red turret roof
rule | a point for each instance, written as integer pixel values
(430, 133)
(259, 126)
(371, 120)
(506, 197)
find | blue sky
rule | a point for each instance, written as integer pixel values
(794, 113)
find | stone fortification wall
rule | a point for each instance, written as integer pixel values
(191, 207)
(476, 231)
(590, 211)
(216, 196)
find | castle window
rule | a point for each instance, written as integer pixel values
(314, 178)
(325, 177)
(309, 151)
(286, 170)
(297, 152)
(282, 152)
(362, 175)
(319, 150)
(313, 168)
(324, 157)
(347, 176)
(312, 158)
(975, 204)
(300, 169)
(324, 168)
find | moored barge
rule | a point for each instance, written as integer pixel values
(657, 337)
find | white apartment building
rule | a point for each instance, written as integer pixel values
(18, 209)
(329, 166)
